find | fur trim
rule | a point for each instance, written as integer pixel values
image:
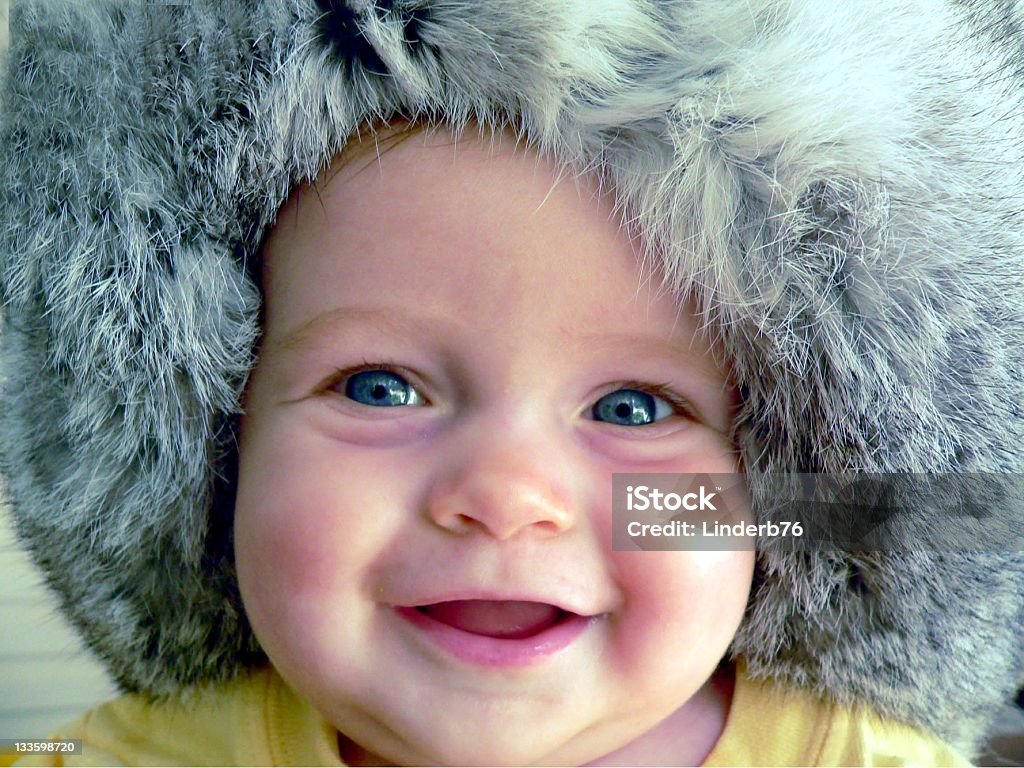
(838, 185)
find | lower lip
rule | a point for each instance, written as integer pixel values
(494, 652)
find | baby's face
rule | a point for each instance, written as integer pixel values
(459, 351)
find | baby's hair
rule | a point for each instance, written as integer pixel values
(369, 142)
(380, 136)
(383, 135)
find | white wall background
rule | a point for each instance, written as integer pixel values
(46, 678)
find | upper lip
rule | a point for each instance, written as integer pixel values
(521, 574)
(567, 604)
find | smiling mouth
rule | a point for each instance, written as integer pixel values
(496, 634)
(498, 619)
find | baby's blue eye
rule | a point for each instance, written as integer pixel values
(630, 408)
(381, 388)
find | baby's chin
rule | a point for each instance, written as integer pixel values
(570, 737)
(454, 754)
(497, 746)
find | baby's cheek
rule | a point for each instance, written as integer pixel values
(281, 536)
(682, 608)
(293, 583)
(305, 505)
(290, 544)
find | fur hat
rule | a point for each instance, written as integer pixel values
(839, 182)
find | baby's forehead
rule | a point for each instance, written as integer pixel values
(459, 200)
(386, 158)
(469, 192)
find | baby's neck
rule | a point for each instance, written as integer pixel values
(687, 736)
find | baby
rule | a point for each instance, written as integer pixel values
(459, 350)
(314, 429)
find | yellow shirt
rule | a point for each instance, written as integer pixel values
(259, 720)
(769, 724)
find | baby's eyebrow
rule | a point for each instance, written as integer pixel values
(683, 349)
(319, 327)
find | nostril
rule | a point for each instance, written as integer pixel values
(502, 502)
(465, 522)
(549, 526)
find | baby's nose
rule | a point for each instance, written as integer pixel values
(503, 501)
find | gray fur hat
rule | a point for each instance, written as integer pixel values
(839, 183)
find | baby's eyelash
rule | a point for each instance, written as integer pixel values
(665, 392)
(340, 374)
(662, 390)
